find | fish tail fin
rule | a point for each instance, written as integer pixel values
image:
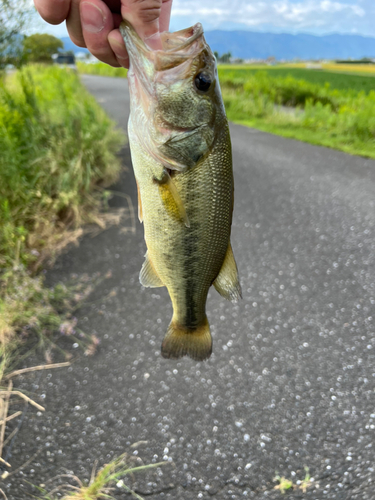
(180, 341)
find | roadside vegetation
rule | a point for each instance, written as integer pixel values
(58, 153)
(293, 107)
(100, 69)
(337, 79)
(102, 484)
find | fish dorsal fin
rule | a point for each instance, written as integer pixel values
(227, 283)
(171, 198)
(148, 276)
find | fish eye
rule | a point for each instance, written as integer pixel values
(202, 82)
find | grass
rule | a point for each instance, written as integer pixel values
(285, 484)
(336, 80)
(58, 153)
(101, 484)
(341, 119)
(100, 69)
(31, 311)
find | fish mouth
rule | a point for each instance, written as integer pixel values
(181, 40)
(177, 47)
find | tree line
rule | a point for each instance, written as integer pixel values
(16, 48)
(224, 58)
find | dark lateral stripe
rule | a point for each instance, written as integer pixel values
(190, 254)
(191, 319)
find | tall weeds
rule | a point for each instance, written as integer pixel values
(57, 153)
(57, 150)
(344, 119)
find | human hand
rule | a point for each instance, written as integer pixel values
(94, 23)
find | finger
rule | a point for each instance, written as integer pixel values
(117, 45)
(53, 12)
(144, 15)
(73, 24)
(165, 15)
(97, 23)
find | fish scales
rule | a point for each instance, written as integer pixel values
(181, 154)
(193, 256)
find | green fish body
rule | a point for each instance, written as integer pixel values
(181, 154)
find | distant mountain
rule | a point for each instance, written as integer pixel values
(253, 45)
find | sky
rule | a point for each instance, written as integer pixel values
(317, 17)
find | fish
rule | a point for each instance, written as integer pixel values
(182, 159)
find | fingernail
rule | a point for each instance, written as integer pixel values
(116, 43)
(92, 17)
(119, 50)
(124, 61)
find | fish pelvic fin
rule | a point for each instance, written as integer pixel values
(148, 276)
(181, 341)
(227, 283)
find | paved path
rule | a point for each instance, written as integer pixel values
(291, 382)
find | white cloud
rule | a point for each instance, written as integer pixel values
(322, 16)
(311, 16)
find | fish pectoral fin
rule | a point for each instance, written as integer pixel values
(140, 212)
(227, 283)
(148, 276)
(171, 198)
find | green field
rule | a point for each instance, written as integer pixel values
(337, 111)
(336, 79)
(321, 106)
(339, 81)
(100, 69)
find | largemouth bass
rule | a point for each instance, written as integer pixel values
(181, 154)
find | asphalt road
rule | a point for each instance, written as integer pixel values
(291, 382)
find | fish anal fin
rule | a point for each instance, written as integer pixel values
(180, 341)
(140, 211)
(227, 283)
(148, 276)
(171, 198)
